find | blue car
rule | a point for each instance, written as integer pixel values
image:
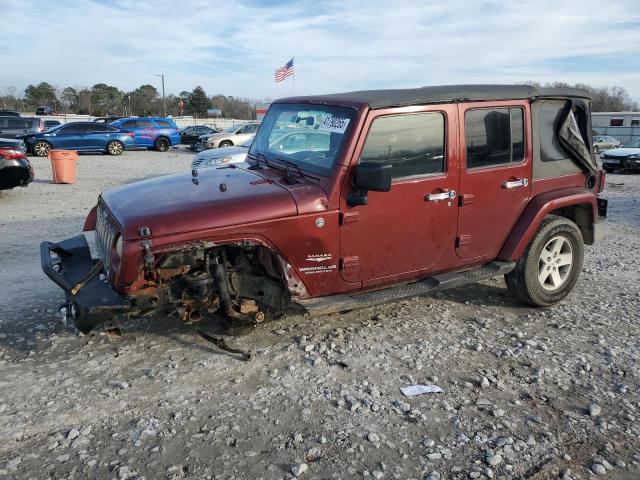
(151, 132)
(83, 137)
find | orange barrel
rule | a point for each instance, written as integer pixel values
(63, 165)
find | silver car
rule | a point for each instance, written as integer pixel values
(604, 142)
(231, 136)
(220, 156)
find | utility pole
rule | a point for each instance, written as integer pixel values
(129, 97)
(164, 103)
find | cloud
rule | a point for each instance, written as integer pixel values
(234, 47)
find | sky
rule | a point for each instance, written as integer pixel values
(233, 47)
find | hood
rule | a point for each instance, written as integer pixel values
(217, 197)
(621, 152)
(221, 153)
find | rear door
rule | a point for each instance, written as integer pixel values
(145, 132)
(495, 174)
(71, 137)
(410, 230)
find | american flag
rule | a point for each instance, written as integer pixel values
(284, 72)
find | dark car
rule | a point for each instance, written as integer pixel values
(15, 169)
(49, 124)
(415, 191)
(83, 137)
(110, 119)
(44, 110)
(8, 113)
(624, 159)
(17, 127)
(189, 135)
(151, 132)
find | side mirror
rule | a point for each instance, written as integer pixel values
(373, 176)
(369, 176)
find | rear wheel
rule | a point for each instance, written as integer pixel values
(596, 149)
(225, 143)
(41, 148)
(162, 144)
(114, 147)
(551, 264)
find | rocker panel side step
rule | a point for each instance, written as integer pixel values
(341, 303)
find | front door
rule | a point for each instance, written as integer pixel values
(410, 229)
(495, 175)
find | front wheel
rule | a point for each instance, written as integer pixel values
(551, 264)
(41, 148)
(114, 147)
(162, 144)
(225, 143)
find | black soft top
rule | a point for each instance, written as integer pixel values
(377, 99)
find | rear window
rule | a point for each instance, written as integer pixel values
(494, 136)
(164, 124)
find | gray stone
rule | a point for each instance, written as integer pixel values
(598, 469)
(299, 469)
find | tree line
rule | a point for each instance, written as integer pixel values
(105, 100)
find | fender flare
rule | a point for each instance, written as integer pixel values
(90, 221)
(535, 211)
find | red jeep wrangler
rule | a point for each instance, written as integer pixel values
(351, 200)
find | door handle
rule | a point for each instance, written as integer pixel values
(438, 197)
(513, 184)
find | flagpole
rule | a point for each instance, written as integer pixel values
(293, 88)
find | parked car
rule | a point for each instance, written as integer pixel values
(418, 190)
(604, 142)
(15, 168)
(8, 113)
(44, 110)
(190, 135)
(220, 156)
(110, 119)
(49, 124)
(16, 127)
(151, 132)
(83, 137)
(234, 135)
(625, 159)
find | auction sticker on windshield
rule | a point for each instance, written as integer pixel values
(334, 123)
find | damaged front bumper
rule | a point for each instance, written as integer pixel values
(90, 300)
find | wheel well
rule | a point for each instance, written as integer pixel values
(162, 137)
(582, 215)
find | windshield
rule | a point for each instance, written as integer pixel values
(309, 136)
(634, 144)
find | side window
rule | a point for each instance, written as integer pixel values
(144, 124)
(616, 122)
(413, 144)
(494, 136)
(100, 128)
(74, 129)
(129, 124)
(164, 123)
(18, 123)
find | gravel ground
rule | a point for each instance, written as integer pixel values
(528, 393)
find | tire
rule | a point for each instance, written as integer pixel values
(225, 143)
(114, 147)
(561, 241)
(596, 149)
(162, 144)
(41, 148)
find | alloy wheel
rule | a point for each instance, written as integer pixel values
(555, 263)
(115, 148)
(41, 149)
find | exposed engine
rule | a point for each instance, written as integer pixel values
(244, 283)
